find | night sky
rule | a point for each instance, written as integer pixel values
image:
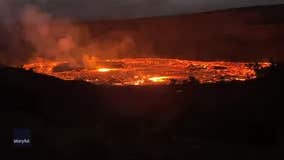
(118, 9)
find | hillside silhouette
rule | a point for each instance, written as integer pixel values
(226, 120)
(177, 121)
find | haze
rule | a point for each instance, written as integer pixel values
(117, 9)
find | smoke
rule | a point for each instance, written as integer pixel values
(41, 36)
(10, 42)
(50, 38)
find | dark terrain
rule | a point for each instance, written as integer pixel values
(245, 34)
(72, 119)
(76, 120)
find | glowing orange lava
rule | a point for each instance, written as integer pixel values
(104, 69)
(149, 71)
(158, 79)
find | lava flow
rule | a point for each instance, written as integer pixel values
(148, 71)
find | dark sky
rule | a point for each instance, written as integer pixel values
(109, 9)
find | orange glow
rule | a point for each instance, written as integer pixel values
(104, 69)
(158, 79)
(148, 71)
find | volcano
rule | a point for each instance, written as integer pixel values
(208, 93)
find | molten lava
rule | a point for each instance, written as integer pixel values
(105, 69)
(149, 71)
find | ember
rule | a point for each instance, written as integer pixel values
(151, 71)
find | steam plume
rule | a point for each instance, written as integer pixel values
(42, 36)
